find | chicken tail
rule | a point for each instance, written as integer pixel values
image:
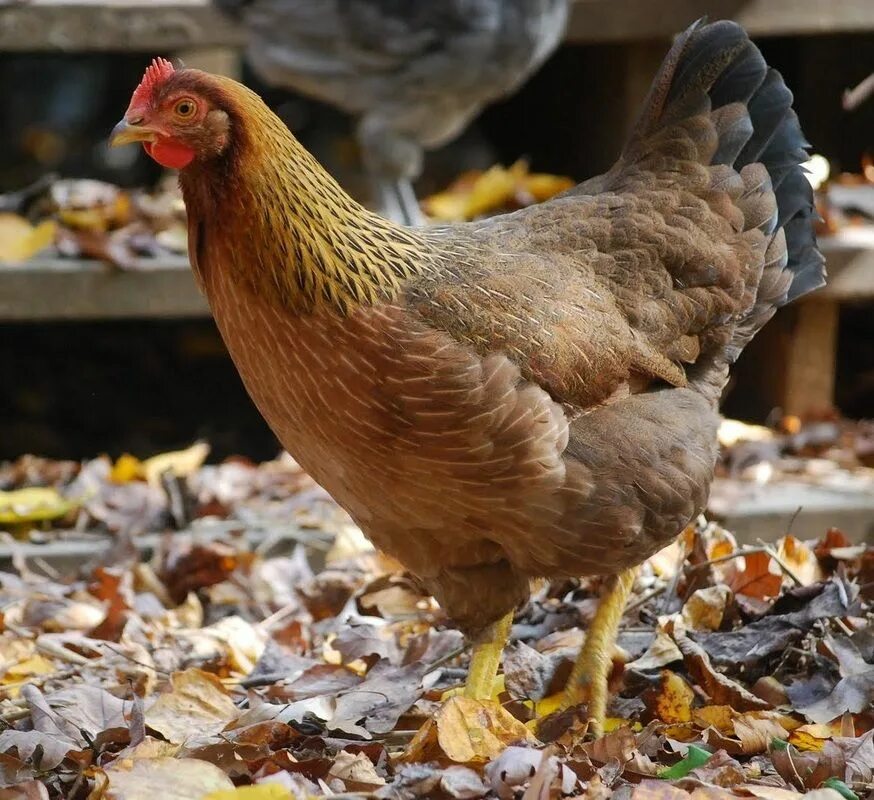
(714, 70)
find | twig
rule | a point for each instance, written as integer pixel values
(748, 551)
(445, 658)
(780, 563)
(854, 97)
(643, 600)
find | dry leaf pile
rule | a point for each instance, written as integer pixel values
(92, 219)
(213, 673)
(48, 501)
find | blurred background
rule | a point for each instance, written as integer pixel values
(105, 344)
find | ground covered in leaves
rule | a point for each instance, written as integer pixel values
(214, 670)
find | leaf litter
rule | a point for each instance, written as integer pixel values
(211, 669)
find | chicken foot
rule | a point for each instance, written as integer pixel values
(588, 679)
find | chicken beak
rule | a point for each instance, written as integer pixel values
(128, 132)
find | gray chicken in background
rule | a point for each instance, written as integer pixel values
(413, 72)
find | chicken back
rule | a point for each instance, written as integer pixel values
(530, 395)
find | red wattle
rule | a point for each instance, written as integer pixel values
(170, 154)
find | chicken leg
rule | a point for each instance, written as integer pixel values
(397, 200)
(485, 660)
(588, 679)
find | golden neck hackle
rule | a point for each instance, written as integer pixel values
(286, 227)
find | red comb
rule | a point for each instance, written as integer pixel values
(156, 73)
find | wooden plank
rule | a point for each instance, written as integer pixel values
(151, 26)
(810, 362)
(596, 21)
(168, 25)
(78, 290)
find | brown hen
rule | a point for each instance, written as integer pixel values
(529, 395)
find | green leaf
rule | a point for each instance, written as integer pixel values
(778, 744)
(696, 757)
(841, 788)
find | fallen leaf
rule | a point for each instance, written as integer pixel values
(658, 790)
(196, 705)
(34, 504)
(356, 771)
(31, 790)
(378, 702)
(800, 559)
(167, 778)
(705, 609)
(263, 791)
(23, 670)
(45, 750)
(811, 737)
(181, 463)
(721, 689)
(531, 675)
(671, 701)
(756, 578)
(695, 757)
(19, 240)
(462, 783)
(80, 713)
(467, 731)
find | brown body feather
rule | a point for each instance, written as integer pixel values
(533, 395)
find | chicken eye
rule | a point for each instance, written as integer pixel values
(185, 108)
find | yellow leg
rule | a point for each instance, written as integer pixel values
(485, 659)
(588, 679)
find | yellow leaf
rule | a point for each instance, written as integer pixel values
(197, 705)
(719, 717)
(811, 737)
(19, 240)
(126, 469)
(167, 778)
(24, 670)
(800, 559)
(673, 703)
(467, 731)
(705, 609)
(263, 791)
(34, 504)
(182, 462)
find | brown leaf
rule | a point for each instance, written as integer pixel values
(356, 771)
(721, 689)
(31, 790)
(619, 745)
(45, 750)
(197, 705)
(80, 713)
(756, 579)
(167, 778)
(658, 790)
(531, 675)
(859, 755)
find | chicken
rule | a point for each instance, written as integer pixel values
(414, 74)
(533, 394)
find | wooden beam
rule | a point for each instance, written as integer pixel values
(76, 290)
(810, 362)
(628, 20)
(151, 26)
